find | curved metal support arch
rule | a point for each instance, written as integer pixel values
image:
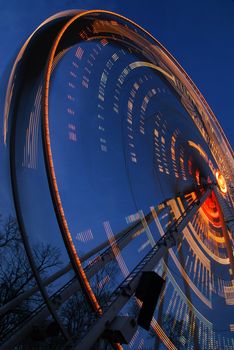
(61, 24)
(176, 69)
(13, 96)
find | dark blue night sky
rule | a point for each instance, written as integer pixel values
(198, 33)
(123, 146)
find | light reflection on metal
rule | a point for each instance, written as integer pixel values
(221, 182)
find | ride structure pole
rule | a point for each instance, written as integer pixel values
(127, 288)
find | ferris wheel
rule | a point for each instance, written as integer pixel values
(121, 181)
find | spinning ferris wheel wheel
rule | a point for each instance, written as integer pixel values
(121, 180)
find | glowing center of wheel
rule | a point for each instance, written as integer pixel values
(221, 182)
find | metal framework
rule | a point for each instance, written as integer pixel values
(105, 256)
(104, 253)
(121, 240)
(127, 288)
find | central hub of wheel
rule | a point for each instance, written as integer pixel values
(221, 182)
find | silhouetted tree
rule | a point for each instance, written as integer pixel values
(76, 312)
(16, 275)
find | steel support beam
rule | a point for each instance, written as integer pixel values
(126, 290)
(121, 240)
(20, 298)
